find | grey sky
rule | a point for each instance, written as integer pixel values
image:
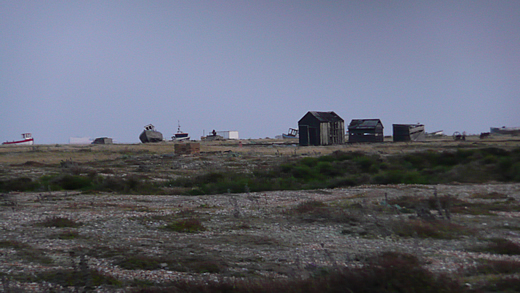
(107, 68)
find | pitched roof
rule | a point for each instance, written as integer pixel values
(326, 116)
(364, 123)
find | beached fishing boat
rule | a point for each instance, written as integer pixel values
(27, 139)
(292, 133)
(505, 130)
(180, 135)
(149, 134)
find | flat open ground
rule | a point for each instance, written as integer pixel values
(248, 235)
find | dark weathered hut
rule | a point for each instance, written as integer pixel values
(321, 128)
(408, 132)
(102, 140)
(365, 130)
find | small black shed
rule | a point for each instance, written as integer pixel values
(408, 132)
(365, 130)
(102, 140)
(321, 128)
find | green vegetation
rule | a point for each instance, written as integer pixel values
(500, 246)
(389, 272)
(339, 169)
(192, 264)
(342, 169)
(86, 183)
(458, 206)
(69, 278)
(437, 229)
(185, 226)
(488, 267)
(67, 235)
(59, 222)
(27, 252)
(313, 210)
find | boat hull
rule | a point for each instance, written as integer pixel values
(150, 136)
(180, 136)
(505, 130)
(20, 142)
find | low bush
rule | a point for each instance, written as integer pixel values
(506, 284)
(18, 184)
(140, 262)
(437, 229)
(314, 210)
(500, 246)
(27, 252)
(185, 226)
(342, 169)
(391, 272)
(70, 278)
(487, 267)
(59, 222)
(67, 235)
(194, 264)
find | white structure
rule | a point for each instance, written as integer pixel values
(80, 140)
(230, 134)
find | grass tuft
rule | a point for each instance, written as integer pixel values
(186, 226)
(59, 222)
(437, 229)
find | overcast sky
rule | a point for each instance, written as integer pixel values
(108, 68)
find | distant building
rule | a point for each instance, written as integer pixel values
(102, 140)
(229, 134)
(365, 130)
(79, 140)
(321, 128)
(408, 132)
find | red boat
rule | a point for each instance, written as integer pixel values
(26, 140)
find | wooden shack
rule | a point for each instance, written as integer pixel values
(191, 148)
(408, 132)
(365, 130)
(102, 140)
(321, 128)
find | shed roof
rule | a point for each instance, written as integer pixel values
(326, 116)
(409, 125)
(364, 123)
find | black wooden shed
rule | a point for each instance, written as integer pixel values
(365, 130)
(408, 132)
(321, 128)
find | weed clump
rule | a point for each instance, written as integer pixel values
(27, 252)
(314, 210)
(487, 267)
(186, 226)
(18, 184)
(343, 169)
(195, 264)
(71, 278)
(59, 222)
(436, 229)
(500, 246)
(389, 272)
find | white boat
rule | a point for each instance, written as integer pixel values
(180, 135)
(27, 139)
